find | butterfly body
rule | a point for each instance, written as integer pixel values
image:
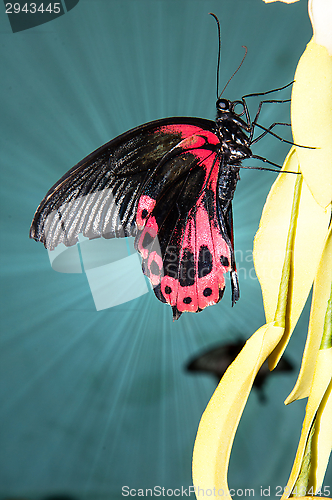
(170, 183)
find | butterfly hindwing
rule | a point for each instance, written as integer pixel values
(186, 249)
(98, 196)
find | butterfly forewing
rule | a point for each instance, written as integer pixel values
(98, 197)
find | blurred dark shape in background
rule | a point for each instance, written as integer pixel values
(218, 359)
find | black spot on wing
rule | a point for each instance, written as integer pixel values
(205, 261)
(154, 268)
(207, 292)
(209, 203)
(147, 240)
(187, 270)
(224, 261)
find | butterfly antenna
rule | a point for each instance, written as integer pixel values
(234, 71)
(219, 50)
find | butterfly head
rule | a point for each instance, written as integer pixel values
(226, 109)
(232, 129)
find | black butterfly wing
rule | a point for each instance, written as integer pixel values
(98, 197)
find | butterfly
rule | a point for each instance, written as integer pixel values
(170, 184)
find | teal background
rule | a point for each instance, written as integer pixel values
(93, 401)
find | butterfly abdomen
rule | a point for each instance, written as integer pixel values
(227, 182)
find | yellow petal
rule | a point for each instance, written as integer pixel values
(321, 385)
(311, 111)
(221, 417)
(321, 295)
(271, 237)
(320, 12)
(323, 429)
(270, 246)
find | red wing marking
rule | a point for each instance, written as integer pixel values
(148, 234)
(198, 140)
(144, 208)
(155, 266)
(184, 130)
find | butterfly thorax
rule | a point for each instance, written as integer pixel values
(234, 147)
(230, 128)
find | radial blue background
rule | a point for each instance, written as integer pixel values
(93, 401)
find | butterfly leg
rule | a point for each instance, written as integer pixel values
(265, 161)
(254, 123)
(281, 139)
(268, 130)
(243, 99)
